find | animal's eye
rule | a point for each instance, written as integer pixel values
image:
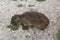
(15, 18)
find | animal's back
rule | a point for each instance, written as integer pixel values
(36, 18)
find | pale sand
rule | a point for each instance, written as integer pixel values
(51, 8)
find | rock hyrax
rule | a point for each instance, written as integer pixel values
(31, 19)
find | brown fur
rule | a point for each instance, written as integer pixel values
(31, 18)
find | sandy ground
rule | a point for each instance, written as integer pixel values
(51, 8)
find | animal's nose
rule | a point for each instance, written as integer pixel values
(12, 22)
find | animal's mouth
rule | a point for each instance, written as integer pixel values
(13, 23)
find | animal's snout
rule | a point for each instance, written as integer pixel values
(13, 21)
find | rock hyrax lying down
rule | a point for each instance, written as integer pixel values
(31, 19)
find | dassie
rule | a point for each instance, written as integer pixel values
(31, 19)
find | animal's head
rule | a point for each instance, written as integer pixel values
(15, 19)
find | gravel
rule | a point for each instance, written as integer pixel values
(51, 8)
